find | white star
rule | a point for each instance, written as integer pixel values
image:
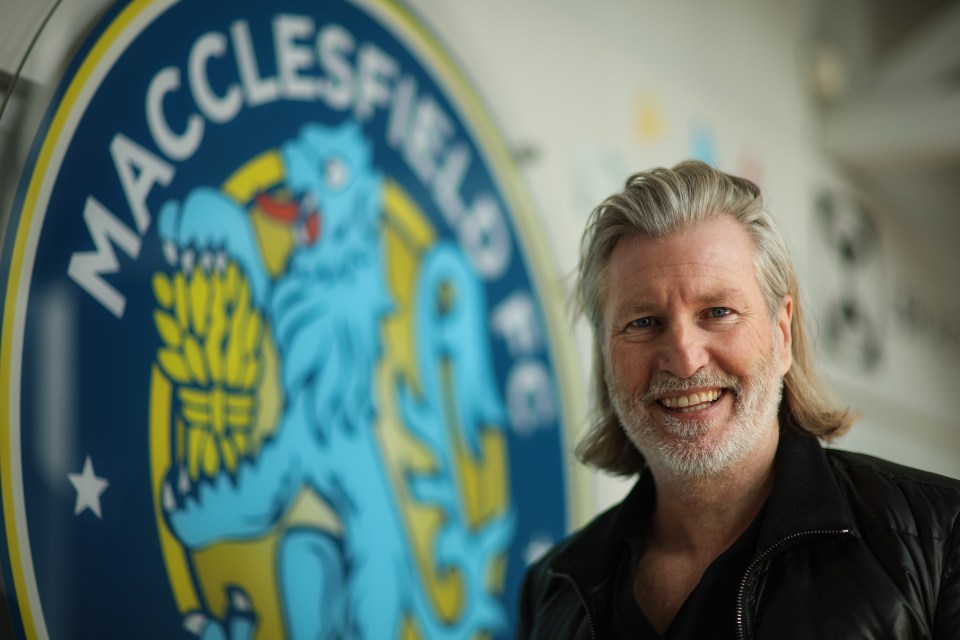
(89, 487)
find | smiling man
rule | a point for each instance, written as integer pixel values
(740, 524)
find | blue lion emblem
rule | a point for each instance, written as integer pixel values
(326, 311)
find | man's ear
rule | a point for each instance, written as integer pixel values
(784, 333)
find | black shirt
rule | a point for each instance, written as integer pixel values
(710, 609)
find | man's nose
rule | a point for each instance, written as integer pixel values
(683, 350)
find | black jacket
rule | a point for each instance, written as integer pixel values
(850, 547)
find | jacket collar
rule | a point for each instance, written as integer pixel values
(805, 498)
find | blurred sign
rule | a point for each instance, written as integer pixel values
(274, 361)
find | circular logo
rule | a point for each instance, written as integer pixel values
(275, 358)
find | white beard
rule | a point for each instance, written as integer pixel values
(756, 402)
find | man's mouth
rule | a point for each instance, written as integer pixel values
(692, 402)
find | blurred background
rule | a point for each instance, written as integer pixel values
(846, 112)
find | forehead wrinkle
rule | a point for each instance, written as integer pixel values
(709, 297)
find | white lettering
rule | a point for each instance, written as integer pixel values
(87, 268)
(447, 187)
(176, 147)
(374, 67)
(427, 138)
(515, 319)
(529, 397)
(399, 121)
(333, 43)
(218, 109)
(293, 56)
(138, 170)
(257, 89)
(484, 236)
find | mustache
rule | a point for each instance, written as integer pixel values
(664, 382)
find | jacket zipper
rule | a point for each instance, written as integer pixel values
(583, 603)
(742, 591)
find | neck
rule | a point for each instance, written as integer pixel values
(704, 516)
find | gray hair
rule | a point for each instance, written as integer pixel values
(659, 204)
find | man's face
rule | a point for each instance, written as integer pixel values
(693, 361)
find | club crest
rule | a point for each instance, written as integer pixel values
(276, 359)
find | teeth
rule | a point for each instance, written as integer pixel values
(183, 481)
(188, 259)
(170, 253)
(169, 502)
(692, 400)
(195, 623)
(240, 601)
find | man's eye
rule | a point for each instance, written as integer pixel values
(641, 323)
(719, 312)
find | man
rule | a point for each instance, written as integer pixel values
(740, 524)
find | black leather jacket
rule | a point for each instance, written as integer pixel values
(850, 547)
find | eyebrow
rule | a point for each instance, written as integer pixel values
(720, 295)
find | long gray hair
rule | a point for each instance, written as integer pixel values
(664, 202)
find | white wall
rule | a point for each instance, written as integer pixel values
(590, 91)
